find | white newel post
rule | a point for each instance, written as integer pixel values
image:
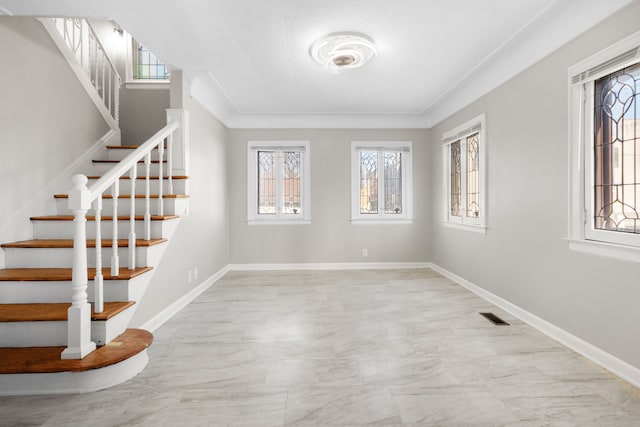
(79, 342)
(180, 142)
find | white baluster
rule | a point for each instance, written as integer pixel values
(116, 101)
(109, 88)
(170, 162)
(79, 342)
(160, 175)
(147, 194)
(132, 218)
(104, 63)
(115, 260)
(98, 281)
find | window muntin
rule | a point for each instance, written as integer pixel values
(381, 180)
(616, 166)
(278, 187)
(603, 152)
(464, 174)
(146, 66)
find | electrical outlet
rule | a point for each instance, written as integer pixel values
(365, 252)
(195, 273)
(190, 276)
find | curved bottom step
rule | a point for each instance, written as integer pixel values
(39, 370)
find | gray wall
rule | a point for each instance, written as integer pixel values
(202, 238)
(142, 111)
(46, 120)
(523, 257)
(330, 237)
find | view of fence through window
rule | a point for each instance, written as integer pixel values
(370, 182)
(279, 182)
(146, 66)
(617, 152)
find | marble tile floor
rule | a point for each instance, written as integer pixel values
(345, 348)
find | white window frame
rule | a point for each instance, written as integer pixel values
(132, 83)
(460, 133)
(253, 217)
(407, 182)
(583, 236)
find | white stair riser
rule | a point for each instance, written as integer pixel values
(171, 206)
(54, 333)
(121, 153)
(63, 257)
(64, 229)
(154, 169)
(60, 291)
(179, 186)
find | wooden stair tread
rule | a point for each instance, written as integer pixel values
(104, 218)
(63, 274)
(51, 312)
(143, 177)
(118, 161)
(127, 196)
(128, 147)
(40, 360)
(68, 243)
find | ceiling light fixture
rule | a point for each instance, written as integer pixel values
(340, 51)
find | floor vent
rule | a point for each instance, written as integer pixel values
(494, 319)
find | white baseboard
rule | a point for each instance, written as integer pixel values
(606, 360)
(161, 318)
(330, 266)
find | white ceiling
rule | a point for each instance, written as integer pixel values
(249, 64)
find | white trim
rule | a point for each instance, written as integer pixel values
(606, 360)
(162, 317)
(148, 84)
(404, 147)
(391, 221)
(581, 77)
(329, 266)
(284, 221)
(466, 227)
(73, 382)
(278, 146)
(611, 250)
(476, 125)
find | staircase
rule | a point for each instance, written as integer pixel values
(35, 290)
(63, 316)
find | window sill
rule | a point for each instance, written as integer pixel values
(466, 227)
(377, 221)
(611, 250)
(147, 84)
(279, 221)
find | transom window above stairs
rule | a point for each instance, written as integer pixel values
(144, 69)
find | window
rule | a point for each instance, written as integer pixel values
(381, 181)
(604, 149)
(278, 177)
(464, 176)
(144, 69)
